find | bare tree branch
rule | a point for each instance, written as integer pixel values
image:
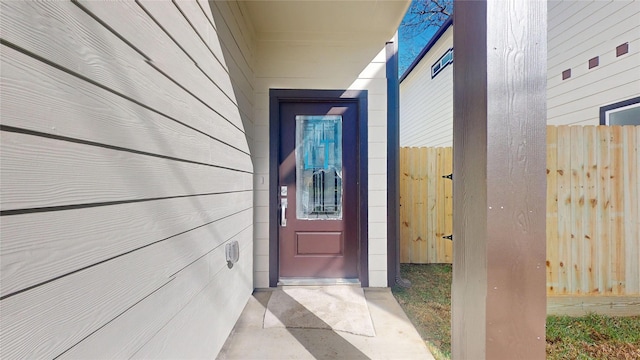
(423, 15)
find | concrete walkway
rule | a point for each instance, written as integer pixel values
(396, 338)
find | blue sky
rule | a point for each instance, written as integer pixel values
(408, 49)
(410, 45)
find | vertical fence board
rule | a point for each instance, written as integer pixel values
(448, 205)
(564, 208)
(590, 213)
(604, 196)
(405, 233)
(409, 205)
(432, 216)
(423, 200)
(439, 210)
(552, 212)
(416, 236)
(631, 235)
(577, 203)
(617, 209)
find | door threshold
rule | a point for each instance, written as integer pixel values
(301, 281)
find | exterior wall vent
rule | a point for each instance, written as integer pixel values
(622, 49)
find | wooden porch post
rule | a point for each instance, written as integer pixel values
(499, 187)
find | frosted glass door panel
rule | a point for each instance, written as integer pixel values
(319, 167)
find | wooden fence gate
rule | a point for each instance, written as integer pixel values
(426, 205)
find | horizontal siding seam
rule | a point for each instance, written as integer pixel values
(107, 203)
(13, 129)
(186, 305)
(234, 102)
(594, 72)
(578, 46)
(224, 20)
(95, 83)
(120, 255)
(197, 34)
(219, 245)
(579, 14)
(578, 100)
(150, 60)
(116, 317)
(111, 29)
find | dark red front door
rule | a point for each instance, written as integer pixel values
(318, 190)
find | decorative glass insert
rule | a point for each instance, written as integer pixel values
(319, 167)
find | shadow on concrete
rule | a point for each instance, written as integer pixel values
(321, 343)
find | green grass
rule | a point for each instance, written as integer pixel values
(428, 304)
(593, 337)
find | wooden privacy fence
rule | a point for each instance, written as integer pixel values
(426, 205)
(593, 209)
(593, 225)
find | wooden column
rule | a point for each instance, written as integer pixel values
(499, 188)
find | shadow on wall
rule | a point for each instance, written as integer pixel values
(240, 66)
(122, 207)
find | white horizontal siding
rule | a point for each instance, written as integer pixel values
(217, 303)
(36, 171)
(125, 169)
(92, 298)
(621, 86)
(101, 56)
(426, 104)
(237, 43)
(31, 88)
(581, 31)
(577, 32)
(103, 237)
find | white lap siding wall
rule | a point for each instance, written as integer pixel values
(579, 31)
(125, 169)
(426, 104)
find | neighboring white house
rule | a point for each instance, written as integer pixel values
(140, 201)
(593, 61)
(593, 72)
(426, 93)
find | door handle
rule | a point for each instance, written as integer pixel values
(283, 213)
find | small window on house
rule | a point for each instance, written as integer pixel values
(566, 74)
(621, 113)
(593, 62)
(444, 60)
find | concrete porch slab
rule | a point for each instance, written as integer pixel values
(396, 338)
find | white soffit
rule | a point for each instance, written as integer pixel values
(326, 20)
